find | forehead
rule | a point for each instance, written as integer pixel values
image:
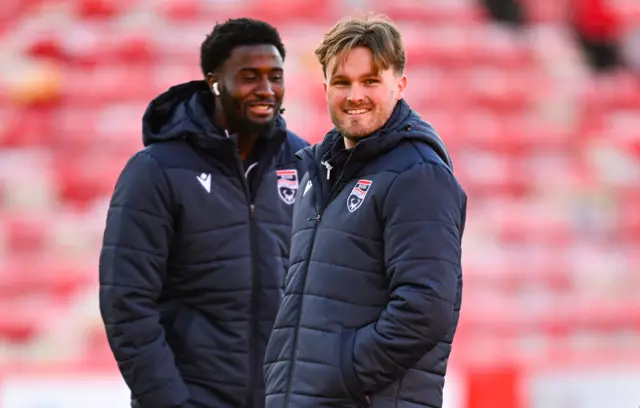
(263, 56)
(355, 63)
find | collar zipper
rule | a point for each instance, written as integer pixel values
(328, 166)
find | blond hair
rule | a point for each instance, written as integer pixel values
(376, 32)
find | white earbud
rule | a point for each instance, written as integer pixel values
(216, 92)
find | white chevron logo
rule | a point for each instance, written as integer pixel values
(205, 180)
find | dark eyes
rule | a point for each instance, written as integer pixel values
(366, 82)
(252, 78)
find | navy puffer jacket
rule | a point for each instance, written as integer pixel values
(373, 291)
(195, 252)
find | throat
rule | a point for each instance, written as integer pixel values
(246, 144)
(349, 144)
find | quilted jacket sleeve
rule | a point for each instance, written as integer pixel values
(423, 217)
(132, 271)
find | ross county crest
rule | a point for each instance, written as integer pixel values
(359, 192)
(287, 185)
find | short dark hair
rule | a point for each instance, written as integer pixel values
(376, 32)
(224, 37)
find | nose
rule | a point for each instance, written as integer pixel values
(356, 94)
(264, 89)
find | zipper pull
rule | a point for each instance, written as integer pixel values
(316, 218)
(252, 210)
(329, 167)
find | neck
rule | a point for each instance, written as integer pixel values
(220, 120)
(245, 143)
(349, 144)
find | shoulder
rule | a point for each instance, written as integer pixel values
(421, 144)
(424, 161)
(292, 145)
(171, 154)
(428, 180)
(295, 141)
(409, 154)
(141, 179)
(425, 154)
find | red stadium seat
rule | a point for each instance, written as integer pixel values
(428, 12)
(97, 88)
(26, 127)
(81, 180)
(25, 233)
(100, 9)
(182, 10)
(278, 12)
(15, 327)
(48, 47)
(29, 275)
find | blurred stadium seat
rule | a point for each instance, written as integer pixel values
(549, 156)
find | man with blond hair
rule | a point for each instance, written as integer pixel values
(373, 291)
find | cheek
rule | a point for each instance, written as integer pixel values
(240, 94)
(381, 97)
(382, 101)
(278, 90)
(334, 100)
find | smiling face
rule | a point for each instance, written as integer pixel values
(361, 96)
(251, 86)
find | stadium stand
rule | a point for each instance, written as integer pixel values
(549, 156)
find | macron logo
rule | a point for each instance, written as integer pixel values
(205, 180)
(307, 187)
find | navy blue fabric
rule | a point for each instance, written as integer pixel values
(374, 287)
(190, 279)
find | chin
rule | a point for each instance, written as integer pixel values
(261, 121)
(261, 126)
(356, 132)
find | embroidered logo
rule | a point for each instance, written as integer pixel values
(205, 180)
(307, 187)
(287, 185)
(358, 193)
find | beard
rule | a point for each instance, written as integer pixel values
(354, 128)
(238, 122)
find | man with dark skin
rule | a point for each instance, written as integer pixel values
(197, 236)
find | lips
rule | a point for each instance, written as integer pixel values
(262, 109)
(355, 112)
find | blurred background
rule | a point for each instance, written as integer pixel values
(538, 101)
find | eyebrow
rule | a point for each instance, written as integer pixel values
(375, 68)
(363, 76)
(254, 69)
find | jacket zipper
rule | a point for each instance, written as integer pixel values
(335, 189)
(316, 219)
(255, 286)
(255, 365)
(299, 316)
